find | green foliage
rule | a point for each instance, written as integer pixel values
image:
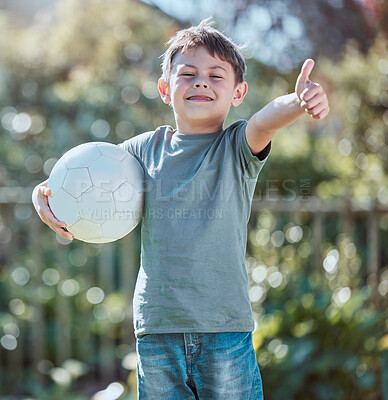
(358, 164)
(318, 331)
(91, 75)
(346, 155)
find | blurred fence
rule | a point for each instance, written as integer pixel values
(66, 331)
(115, 268)
(350, 218)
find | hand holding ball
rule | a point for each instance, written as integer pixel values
(97, 190)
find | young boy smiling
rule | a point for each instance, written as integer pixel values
(192, 316)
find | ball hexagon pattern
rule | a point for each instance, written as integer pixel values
(77, 181)
(97, 190)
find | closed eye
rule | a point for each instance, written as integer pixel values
(216, 76)
(187, 74)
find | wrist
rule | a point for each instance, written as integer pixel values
(297, 103)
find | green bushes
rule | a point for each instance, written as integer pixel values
(319, 279)
(319, 331)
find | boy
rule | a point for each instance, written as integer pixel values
(192, 314)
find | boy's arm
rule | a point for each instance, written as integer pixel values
(40, 202)
(308, 98)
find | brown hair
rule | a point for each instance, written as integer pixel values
(215, 42)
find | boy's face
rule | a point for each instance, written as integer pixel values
(201, 90)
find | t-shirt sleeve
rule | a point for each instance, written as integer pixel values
(127, 146)
(251, 164)
(136, 144)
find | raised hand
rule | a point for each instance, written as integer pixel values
(312, 96)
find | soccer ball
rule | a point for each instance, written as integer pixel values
(97, 190)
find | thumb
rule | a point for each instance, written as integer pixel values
(44, 191)
(306, 69)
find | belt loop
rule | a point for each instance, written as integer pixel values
(197, 341)
(185, 342)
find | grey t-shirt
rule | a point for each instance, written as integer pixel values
(198, 194)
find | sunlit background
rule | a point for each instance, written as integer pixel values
(73, 71)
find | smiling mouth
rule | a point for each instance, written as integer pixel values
(200, 98)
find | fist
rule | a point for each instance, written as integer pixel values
(312, 97)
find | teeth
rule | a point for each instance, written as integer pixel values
(199, 98)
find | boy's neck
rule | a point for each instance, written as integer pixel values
(198, 128)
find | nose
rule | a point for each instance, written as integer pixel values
(198, 85)
(201, 82)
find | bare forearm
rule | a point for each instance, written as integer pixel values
(281, 112)
(263, 125)
(309, 97)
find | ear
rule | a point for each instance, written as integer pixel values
(240, 91)
(164, 91)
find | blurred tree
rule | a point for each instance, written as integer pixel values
(345, 155)
(283, 33)
(89, 72)
(329, 23)
(66, 80)
(85, 71)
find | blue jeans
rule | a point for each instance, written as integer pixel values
(198, 366)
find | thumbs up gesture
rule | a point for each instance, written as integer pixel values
(312, 97)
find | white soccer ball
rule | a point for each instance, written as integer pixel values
(97, 190)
